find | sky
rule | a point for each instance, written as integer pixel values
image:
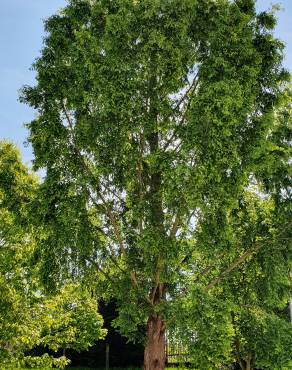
(21, 35)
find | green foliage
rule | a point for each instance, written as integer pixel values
(70, 320)
(202, 325)
(29, 317)
(260, 290)
(263, 336)
(155, 118)
(17, 188)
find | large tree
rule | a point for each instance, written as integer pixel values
(153, 119)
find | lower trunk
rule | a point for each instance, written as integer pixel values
(248, 362)
(154, 353)
(246, 365)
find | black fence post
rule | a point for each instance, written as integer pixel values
(107, 356)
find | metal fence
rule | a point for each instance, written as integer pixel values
(175, 352)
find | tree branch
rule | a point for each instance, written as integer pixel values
(255, 248)
(233, 265)
(175, 226)
(190, 91)
(102, 271)
(107, 209)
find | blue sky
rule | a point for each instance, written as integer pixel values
(21, 33)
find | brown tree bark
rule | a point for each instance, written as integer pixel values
(154, 353)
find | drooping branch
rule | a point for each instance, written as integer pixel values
(108, 210)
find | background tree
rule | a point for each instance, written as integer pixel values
(17, 188)
(249, 302)
(262, 289)
(28, 316)
(70, 320)
(241, 321)
(151, 117)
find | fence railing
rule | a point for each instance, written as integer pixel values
(175, 352)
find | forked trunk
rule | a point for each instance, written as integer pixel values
(250, 361)
(154, 353)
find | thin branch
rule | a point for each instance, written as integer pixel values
(193, 85)
(107, 188)
(102, 271)
(114, 224)
(233, 265)
(70, 123)
(111, 255)
(175, 226)
(116, 227)
(107, 209)
(203, 273)
(190, 90)
(255, 248)
(156, 280)
(178, 221)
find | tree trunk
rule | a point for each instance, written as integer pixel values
(154, 353)
(248, 362)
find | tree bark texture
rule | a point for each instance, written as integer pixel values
(154, 353)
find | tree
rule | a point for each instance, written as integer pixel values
(245, 321)
(28, 316)
(71, 320)
(241, 321)
(263, 340)
(151, 119)
(261, 289)
(17, 188)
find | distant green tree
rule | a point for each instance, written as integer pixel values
(28, 316)
(153, 117)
